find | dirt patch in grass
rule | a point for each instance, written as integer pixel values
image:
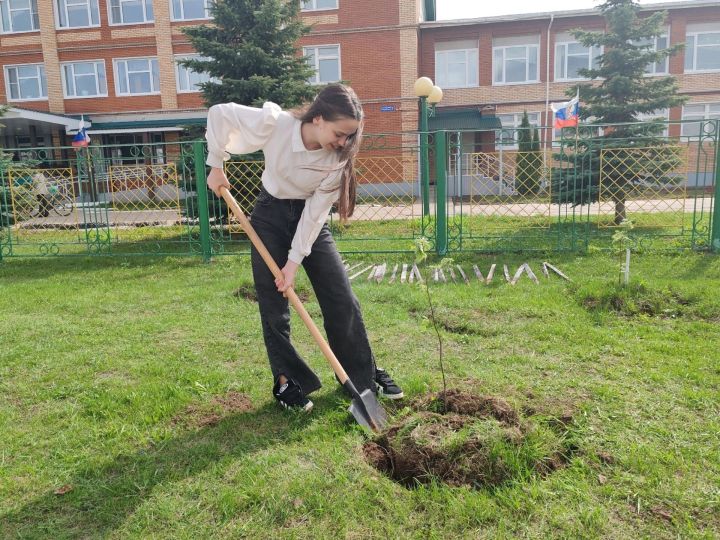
(459, 322)
(462, 439)
(638, 299)
(246, 291)
(212, 412)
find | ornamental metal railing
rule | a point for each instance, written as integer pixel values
(484, 193)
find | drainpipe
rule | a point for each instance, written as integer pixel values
(548, 130)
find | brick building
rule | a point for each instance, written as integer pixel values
(114, 62)
(511, 64)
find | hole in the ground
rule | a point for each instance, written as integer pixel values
(469, 440)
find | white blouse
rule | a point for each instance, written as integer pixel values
(291, 170)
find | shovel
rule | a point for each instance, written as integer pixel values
(364, 406)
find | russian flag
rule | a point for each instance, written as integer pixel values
(566, 113)
(81, 139)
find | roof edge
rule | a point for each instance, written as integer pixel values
(681, 4)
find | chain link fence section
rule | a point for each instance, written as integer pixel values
(649, 181)
(42, 198)
(245, 177)
(147, 194)
(506, 184)
(386, 188)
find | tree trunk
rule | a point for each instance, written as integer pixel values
(150, 183)
(620, 213)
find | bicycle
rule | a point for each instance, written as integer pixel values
(57, 199)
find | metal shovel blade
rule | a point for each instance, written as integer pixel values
(368, 412)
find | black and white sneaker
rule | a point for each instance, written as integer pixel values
(386, 386)
(291, 396)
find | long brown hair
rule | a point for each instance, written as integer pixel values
(337, 102)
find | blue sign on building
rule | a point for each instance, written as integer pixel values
(387, 108)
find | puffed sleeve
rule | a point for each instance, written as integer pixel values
(237, 129)
(313, 216)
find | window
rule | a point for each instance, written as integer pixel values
(571, 57)
(137, 76)
(702, 47)
(26, 82)
(456, 64)
(84, 79)
(316, 5)
(515, 60)
(507, 137)
(77, 13)
(658, 43)
(19, 15)
(186, 10)
(326, 61)
(131, 11)
(698, 112)
(187, 79)
(661, 115)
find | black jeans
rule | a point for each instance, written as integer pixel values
(275, 221)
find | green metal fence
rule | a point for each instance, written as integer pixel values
(504, 199)
(484, 194)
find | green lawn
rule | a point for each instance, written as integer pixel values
(122, 415)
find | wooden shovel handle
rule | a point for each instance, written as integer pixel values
(290, 293)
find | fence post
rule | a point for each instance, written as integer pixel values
(202, 198)
(4, 220)
(441, 231)
(424, 157)
(715, 231)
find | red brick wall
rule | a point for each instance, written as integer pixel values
(352, 14)
(532, 96)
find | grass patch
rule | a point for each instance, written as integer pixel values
(638, 298)
(135, 402)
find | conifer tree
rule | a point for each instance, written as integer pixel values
(523, 160)
(619, 93)
(250, 50)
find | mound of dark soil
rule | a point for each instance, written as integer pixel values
(468, 440)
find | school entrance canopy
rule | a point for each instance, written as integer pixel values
(24, 127)
(463, 119)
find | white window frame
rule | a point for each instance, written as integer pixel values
(706, 114)
(61, 6)
(150, 59)
(178, 69)
(590, 63)
(145, 4)
(517, 120)
(41, 75)
(34, 17)
(313, 6)
(316, 77)
(99, 64)
(181, 17)
(527, 48)
(693, 51)
(662, 114)
(471, 59)
(655, 73)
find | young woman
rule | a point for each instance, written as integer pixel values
(309, 156)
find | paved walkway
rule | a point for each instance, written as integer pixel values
(92, 217)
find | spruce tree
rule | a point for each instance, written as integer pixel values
(619, 92)
(536, 162)
(250, 51)
(523, 160)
